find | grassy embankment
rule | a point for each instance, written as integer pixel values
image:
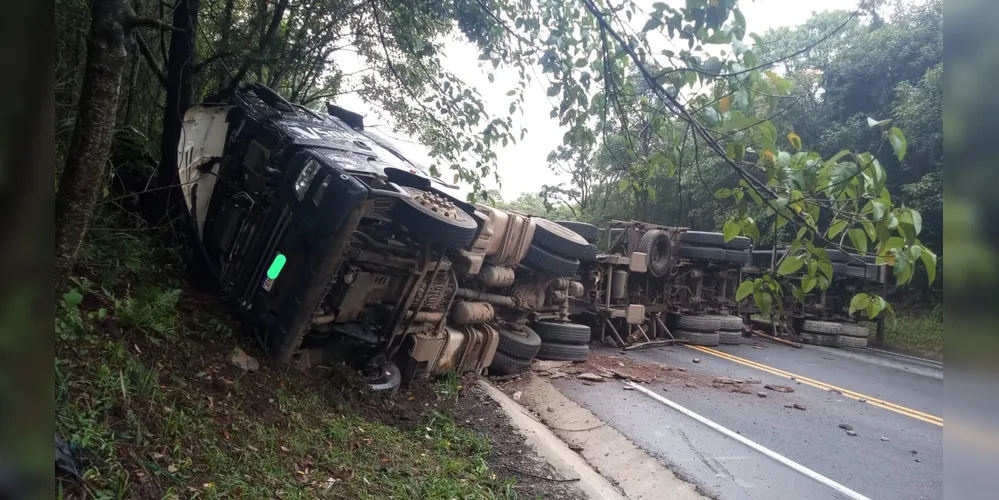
(146, 393)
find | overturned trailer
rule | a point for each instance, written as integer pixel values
(653, 284)
(332, 245)
(823, 318)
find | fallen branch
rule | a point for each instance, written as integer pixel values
(531, 474)
(775, 339)
(656, 343)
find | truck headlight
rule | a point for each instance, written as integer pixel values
(305, 178)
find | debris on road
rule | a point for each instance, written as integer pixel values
(779, 388)
(862, 400)
(761, 394)
(592, 377)
(575, 447)
(628, 388)
(696, 360)
(741, 390)
(884, 439)
(244, 360)
(516, 395)
(851, 433)
(835, 391)
(680, 368)
(846, 427)
(796, 406)
(690, 384)
(726, 380)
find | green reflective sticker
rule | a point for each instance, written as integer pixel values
(276, 265)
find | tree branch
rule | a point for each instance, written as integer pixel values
(148, 55)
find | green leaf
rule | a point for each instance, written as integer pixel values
(930, 261)
(826, 268)
(808, 283)
(871, 122)
(859, 239)
(72, 298)
(898, 143)
(798, 293)
(652, 24)
(912, 218)
(860, 302)
(837, 227)
(750, 230)
(794, 140)
(763, 301)
(730, 230)
(789, 265)
(745, 289)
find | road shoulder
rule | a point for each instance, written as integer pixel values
(634, 471)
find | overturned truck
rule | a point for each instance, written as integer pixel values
(332, 245)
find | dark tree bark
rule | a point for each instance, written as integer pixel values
(86, 161)
(180, 68)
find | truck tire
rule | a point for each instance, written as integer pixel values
(732, 338)
(555, 351)
(853, 342)
(715, 240)
(741, 257)
(563, 333)
(854, 330)
(558, 239)
(504, 364)
(590, 255)
(820, 339)
(707, 324)
(589, 232)
(709, 339)
(657, 246)
(436, 218)
(544, 262)
(701, 253)
(826, 327)
(522, 344)
(729, 323)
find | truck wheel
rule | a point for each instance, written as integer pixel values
(656, 245)
(522, 344)
(715, 240)
(709, 339)
(558, 239)
(504, 364)
(852, 330)
(854, 342)
(590, 255)
(738, 257)
(555, 351)
(820, 339)
(701, 253)
(730, 323)
(729, 337)
(564, 333)
(707, 324)
(544, 262)
(826, 327)
(435, 217)
(589, 232)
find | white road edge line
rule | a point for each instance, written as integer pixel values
(760, 448)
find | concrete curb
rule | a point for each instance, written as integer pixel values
(549, 447)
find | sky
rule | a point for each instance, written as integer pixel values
(523, 167)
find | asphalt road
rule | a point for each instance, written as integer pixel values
(894, 405)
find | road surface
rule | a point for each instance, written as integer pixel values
(893, 404)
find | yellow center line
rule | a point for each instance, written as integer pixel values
(902, 410)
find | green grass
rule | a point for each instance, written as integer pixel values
(921, 331)
(157, 411)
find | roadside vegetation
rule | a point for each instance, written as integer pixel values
(153, 408)
(918, 330)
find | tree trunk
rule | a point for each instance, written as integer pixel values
(86, 161)
(180, 68)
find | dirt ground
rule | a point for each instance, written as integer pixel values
(511, 456)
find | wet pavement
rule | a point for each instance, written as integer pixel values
(892, 404)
